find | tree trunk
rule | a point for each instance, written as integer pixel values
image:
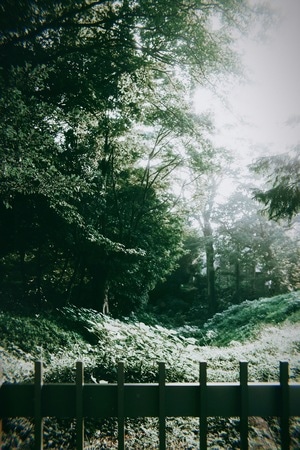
(210, 274)
(22, 269)
(237, 274)
(105, 308)
(39, 288)
(210, 269)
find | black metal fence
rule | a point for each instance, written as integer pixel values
(121, 400)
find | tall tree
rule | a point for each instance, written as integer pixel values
(75, 79)
(206, 178)
(204, 218)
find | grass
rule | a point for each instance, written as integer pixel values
(262, 331)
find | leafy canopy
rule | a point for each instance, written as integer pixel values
(78, 79)
(281, 196)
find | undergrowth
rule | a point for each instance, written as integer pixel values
(263, 332)
(243, 322)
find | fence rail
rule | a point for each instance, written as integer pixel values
(162, 400)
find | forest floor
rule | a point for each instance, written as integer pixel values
(263, 332)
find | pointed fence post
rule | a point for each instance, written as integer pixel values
(38, 419)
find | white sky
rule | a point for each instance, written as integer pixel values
(255, 124)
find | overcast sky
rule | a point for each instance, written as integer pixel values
(263, 116)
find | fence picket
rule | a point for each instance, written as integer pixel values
(284, 419)
(162, 405)
(200, 399)
(38, 419)
(244, 404)
(79, 406)
(121, 417)
(203, 403)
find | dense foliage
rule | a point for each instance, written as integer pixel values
(78, 333)
(242, 322)
(281, 195)
(269, 332)
(96, 131)
(239, 255)
(95, 118)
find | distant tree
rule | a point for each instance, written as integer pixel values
(204, 218)
(281, 196)
(255, 257)
(204, 189)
